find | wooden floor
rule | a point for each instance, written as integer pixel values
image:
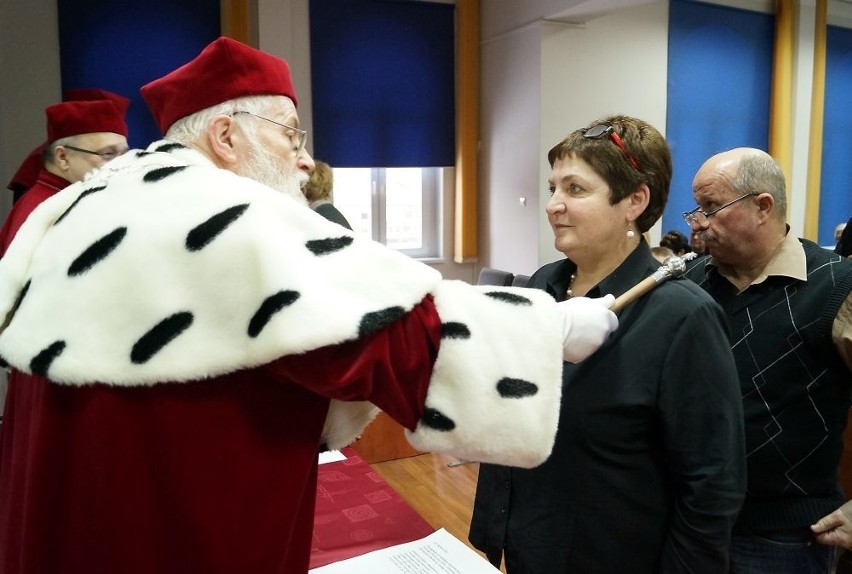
(441, 494)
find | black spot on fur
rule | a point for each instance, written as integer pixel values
(516, 388)
(330, 245)
(203, 234)
(372, 322)
(97, 251)
(162, 173)
(437, 420)
(142, 153)
(41, 362)
(158, 337)
(167, 147)
(23, 294)
(270, 306)
(84, 194)
(454, 330)
(507, 297)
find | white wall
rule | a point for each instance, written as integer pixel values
(542, 79)
(510, 130)
(29, 81)
(614, 64)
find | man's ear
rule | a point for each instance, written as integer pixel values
(765, 205)
(221, 138)
(60, 158)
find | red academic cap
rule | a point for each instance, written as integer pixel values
(74, 118)
(85, 94)
(27, 174)
(224, 70)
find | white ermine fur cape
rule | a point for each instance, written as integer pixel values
(162, 268)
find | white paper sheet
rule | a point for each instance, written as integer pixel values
(331, 456)
(438, 553)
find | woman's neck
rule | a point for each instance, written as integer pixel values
(594, 269)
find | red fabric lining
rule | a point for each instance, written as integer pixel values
(358, 512)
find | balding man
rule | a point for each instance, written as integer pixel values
(790, 310)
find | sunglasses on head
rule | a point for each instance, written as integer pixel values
(602, 131)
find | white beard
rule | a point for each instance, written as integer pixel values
(270, 170)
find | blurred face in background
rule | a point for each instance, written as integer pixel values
(76, 156)
(697, 242)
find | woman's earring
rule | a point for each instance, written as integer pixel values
(630, 233)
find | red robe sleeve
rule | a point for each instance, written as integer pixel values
(390, 368)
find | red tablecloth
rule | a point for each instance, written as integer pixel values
(358, 512)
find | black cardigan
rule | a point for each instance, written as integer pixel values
(648, 471)
(795, 387)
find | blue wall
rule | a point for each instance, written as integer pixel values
(123, 44)
(719, 89)
(383, 83)
(836, 181)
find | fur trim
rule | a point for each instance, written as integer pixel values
(494, 398)
(248, 276)
(345, 421)
(160, 267)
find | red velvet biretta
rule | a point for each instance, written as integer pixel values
(74, 118)
(224, 70)
(81, 94)
(27, 173)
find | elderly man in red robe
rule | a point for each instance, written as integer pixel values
(82, 135)
(190, 333)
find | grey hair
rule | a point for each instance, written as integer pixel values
(760, 173)
(47, 156)
(189, 129)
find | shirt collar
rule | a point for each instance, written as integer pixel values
(52, 181)
(788, 261)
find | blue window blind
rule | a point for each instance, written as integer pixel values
(383, 83)
(835, 203)
(123, 44)
(719, 90)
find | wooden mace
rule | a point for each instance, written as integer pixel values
(674, 266)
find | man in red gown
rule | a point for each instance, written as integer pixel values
(189, 332)
(81, 136)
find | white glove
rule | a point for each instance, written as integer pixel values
(586, 323)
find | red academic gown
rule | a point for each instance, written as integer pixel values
(194, 325)
(250, 507)
(46, 186)
(89, 468)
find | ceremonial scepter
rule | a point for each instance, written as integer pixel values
(674, 266)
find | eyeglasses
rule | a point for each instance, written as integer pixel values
(601, 131)
(297, 137)
(105, 155)
(700, 218)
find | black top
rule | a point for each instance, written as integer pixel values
(648, 470)
(327, 210)
(795, 386)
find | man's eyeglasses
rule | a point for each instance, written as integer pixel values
(105, 155)
(601, 131)
(297, 137)
(700, 218)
